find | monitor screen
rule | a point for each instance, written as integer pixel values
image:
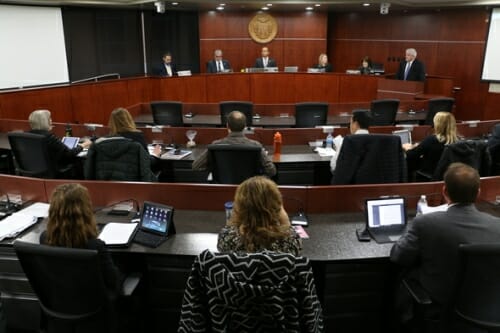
(405, 136)
(385, 212)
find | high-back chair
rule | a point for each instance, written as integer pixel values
(310, 114)
(167, 113)
(436, 105)
(232, 164)
(384, 112)
(244, 107)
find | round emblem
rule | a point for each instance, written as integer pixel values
(263, 28)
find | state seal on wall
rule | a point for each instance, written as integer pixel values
(263, 28)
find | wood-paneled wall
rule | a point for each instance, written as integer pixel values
(300, 39)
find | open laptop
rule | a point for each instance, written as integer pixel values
(404, 134)
(156, 224)
(70, 141)
(386, 218)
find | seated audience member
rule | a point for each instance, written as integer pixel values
(41, 123)
(236, 123)
(360, 121)
(218, 64)
(429, 249)
(258, 221)
(323, 63)
(424, 156)
(167, 67)
(265, 61)
(71, 223)
(366, 66)
(494, 148)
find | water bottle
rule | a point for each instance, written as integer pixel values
(329, 140)
(228, 207)
(421, 204)
(277, 143)
(69, 130)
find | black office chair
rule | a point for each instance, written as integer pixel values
(232, 164)
(436, 105)
(310, 114)
(227, 107)
(256, 292)
(370, 159)
(384, 112)
(31, 155)
(70, 287)
(167, 113)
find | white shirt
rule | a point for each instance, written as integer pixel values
(169, 69)
(333, 161)
(265, 61)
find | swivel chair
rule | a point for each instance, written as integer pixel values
(384, 112)
(167, 113)
(232, 164)
(310, 114)
(436, 105)
(227, 107)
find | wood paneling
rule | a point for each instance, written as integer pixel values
(271, 88)
(223, 87)
(318, 87)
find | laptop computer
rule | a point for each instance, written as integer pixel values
(70, 141)
(404, 134)
(156, 224)
(386, 218)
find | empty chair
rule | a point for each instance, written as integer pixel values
(311, 114)
(436, 105)
(167, 113)
(384, 112)
(228, 106)
(370, 159)
(232, 164)
(256, 292)
(31, 155)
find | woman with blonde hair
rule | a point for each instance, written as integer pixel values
(425, 156)
(323, 63)
(258, 221)
(71, 224)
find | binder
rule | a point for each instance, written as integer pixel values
(116, 234)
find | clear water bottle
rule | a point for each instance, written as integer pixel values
(421, 204)
(329, 140)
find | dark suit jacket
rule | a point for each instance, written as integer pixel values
(62, 155)
(162, 71)
(430, 246)
(212, 66)
(260, 64)
(416, 72)
(327, 67)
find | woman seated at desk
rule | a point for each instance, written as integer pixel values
(323, 64)
(425, 156)
(366, 66)
(258, 221)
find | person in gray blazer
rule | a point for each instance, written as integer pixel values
(429, 249)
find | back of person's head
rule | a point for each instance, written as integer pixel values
(362, 117)
(121, 121)
(71, 220)
(256, 213)
(236, 121)
(445, 127)
(40, 120)
(462, 183)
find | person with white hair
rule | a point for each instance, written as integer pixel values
(218, 64)
(411, 69)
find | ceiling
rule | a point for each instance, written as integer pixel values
(277, 5)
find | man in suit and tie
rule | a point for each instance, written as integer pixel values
(265, 61)
(411, 69)
(218, 65)
(167, 67)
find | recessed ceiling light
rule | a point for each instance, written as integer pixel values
(309, 8)
(265, 8)
(222, 4)
(220, 8)
(269, 5)
(175, 3)
(317, 5)
(366, 4)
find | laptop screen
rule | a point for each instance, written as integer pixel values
(386, 212)
(156, 218)
(405, 135)
(70, 141)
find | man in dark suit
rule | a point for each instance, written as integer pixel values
(429, 249)
(265, 61)
(411, 69)
(167, 67)
(218, 65)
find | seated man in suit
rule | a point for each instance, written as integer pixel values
(167, 67)
(236, 123)
(411, 69)
(429, 249)
(265, 61)
(218, 64)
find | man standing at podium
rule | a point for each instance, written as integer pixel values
(411, 69)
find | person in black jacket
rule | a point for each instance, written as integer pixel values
(41, 123)
(167, 67)
(411, 69)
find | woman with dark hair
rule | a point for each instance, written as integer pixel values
(258, 221)
(366, 66)
(71, 224)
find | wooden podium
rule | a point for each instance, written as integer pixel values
(402, 90)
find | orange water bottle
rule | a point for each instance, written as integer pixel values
(277, 143)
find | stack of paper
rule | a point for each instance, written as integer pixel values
(21, 220)
(117, 234)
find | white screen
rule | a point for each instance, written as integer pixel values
(32, 44)
(384, 212)
(491, 64)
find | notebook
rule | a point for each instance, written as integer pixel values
(386, 218)
(405, 135)
(156, 224)
(70, 141)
